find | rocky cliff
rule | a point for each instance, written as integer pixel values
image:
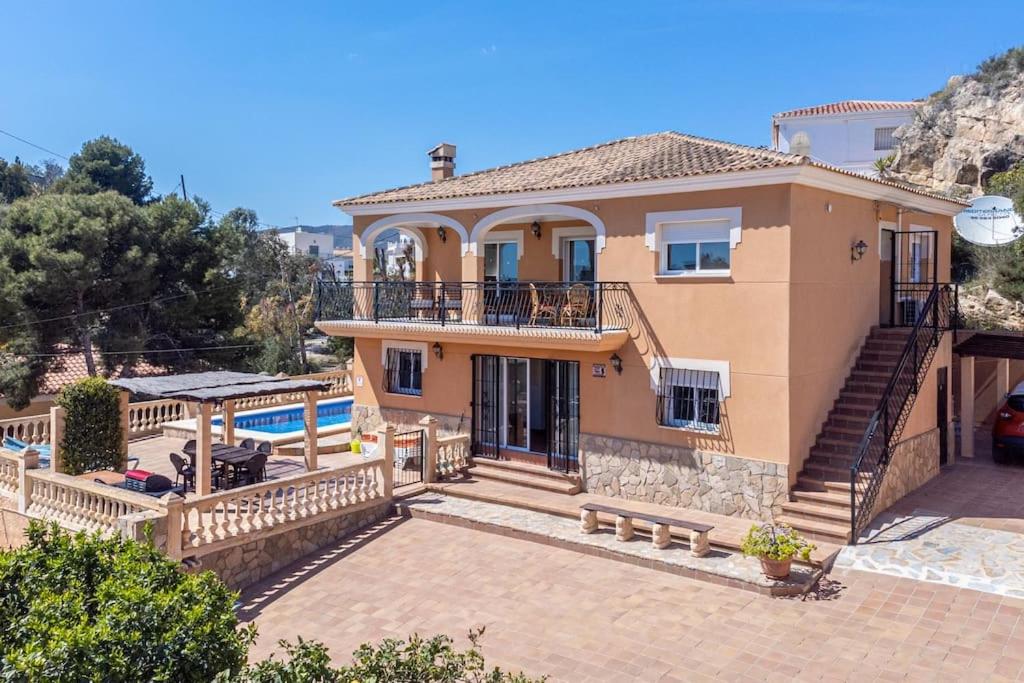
(968, 131)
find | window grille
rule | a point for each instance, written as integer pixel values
(884, 140)
(689, 399)
(403, 372)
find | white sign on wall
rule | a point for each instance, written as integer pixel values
(989, 221)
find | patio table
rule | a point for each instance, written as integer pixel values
(226, 455)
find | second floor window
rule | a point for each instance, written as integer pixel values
(403, 372)
(695, 257)
(689, 399)
(314, 250)
(884, 140)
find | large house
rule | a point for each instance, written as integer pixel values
(852, 134)
(667, 318)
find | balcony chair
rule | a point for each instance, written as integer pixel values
(252, 471)
(265, 447)
(183, 472)
(248, 443)
(538, 309)
(577, 305)
(451, 306)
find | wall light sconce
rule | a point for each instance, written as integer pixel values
(438, 351)
(858, 250)
(616, 363)
(535, 229)
(442, 234)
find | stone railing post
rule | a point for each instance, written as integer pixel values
(386, 441)
(430, 455)
(173, 506)
(124, 397)
(57, 421)
(28, 459)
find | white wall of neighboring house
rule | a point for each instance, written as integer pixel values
(312, 243)
(846, 140)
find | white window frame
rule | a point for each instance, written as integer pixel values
(719, 367)
(693, 227)
(414, 347)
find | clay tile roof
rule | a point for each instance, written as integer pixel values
(71, 368)
(847, 107)
(645, 157)
(659, 156)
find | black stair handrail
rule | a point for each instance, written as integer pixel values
(885, 427)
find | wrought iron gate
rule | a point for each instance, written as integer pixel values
(410, 457)
(486, 403)
(915, 270)
(564, 415)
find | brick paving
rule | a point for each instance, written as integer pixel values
(579, 618)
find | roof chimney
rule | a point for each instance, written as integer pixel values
(442, 161)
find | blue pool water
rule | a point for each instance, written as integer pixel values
(290, 419)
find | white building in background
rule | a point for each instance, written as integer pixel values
(852, 134)
(299, 241)
(342, 264)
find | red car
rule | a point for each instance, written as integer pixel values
(1008, 430)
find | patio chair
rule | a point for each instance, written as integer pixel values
(252, 471)
(539, 308)
(183, 472)
(248, 443)
(577, 305)
(265, 447)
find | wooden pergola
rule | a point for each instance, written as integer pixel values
(208, 389)
(1002, 346)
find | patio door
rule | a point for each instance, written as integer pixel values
(563, 415)
(914, 272)
(486, 403)
(578, 259)
(501, 272)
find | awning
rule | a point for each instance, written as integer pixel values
(214, 387)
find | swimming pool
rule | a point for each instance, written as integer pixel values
(290, 419)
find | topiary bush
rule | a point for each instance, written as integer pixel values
(84, 608)
(92, 428)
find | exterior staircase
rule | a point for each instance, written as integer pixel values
(819, 506)
(523, 474)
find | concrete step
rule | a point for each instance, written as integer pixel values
(816, 513)
(859, 398)
(832, 498)
(520, 478)
(814, 530)
(853, 410)
(525, 468)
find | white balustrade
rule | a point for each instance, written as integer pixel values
(8, 474)
(453, 454)
(147, 417)
(80, 504)
(217, 519)
(339, 381)
(32, 429)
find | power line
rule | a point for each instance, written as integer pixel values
(145, 352)
(32, 144)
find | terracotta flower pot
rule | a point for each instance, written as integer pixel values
(776, 569)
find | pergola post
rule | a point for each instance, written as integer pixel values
(309, 420)
(966, 406)
(1002, 380)
(204, 449)
(57, 420)
(124, 397)
(227, 434)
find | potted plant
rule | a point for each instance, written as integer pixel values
(356, 444)
(776, 545)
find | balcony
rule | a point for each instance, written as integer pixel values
(592, 316)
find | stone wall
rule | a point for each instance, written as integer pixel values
(243, 565)
(369, 418)
(682, 477)
(914, 462)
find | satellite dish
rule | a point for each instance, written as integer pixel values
(989, 221)
(800, 143)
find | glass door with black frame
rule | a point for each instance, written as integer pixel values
(486, 405)
(564, 415)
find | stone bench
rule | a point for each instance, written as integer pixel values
(660, 526)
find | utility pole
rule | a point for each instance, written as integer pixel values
(183, 192)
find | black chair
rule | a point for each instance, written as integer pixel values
(247, 443)
(183, 472)
(252, 471)
(265, 447)
(189, 447)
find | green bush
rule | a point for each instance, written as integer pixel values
(776, 542)
(83, 608)
(393, 661)
(92, 429)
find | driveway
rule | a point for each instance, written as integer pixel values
(580, 618)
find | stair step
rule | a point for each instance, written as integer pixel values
(815, 530)
(857, 432)
(853, 410)
(527, 479)
(826, 473)
(833, 498)
(858, 398)
(525, 468)
(817, 513)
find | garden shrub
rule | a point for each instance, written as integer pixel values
(92, 429)
(84, 608)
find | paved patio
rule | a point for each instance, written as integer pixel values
(580, 618)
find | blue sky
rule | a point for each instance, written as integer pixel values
(282, 107)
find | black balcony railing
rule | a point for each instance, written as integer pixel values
(597, 306)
